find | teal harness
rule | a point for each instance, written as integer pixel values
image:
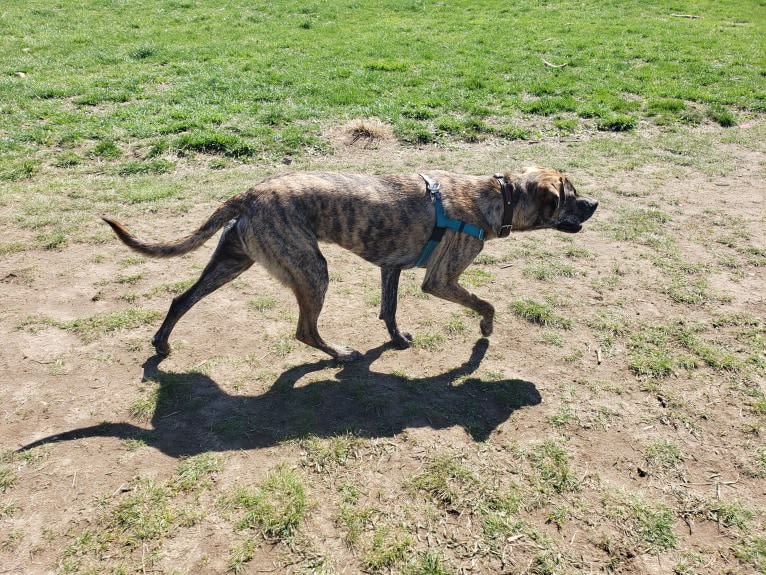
(443, 223)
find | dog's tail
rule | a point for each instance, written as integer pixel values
(225, 212)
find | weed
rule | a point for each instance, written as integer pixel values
(649, 355)
(145, 514)
(682, 290)
(211, 142)
(107, 149)
(617, 123)
(352, 518)
(128, 279)
(722, 116)
(232, 427)
(144, 408)
(552, 338)
(7, 509)
(565, 126)
(133, 168)
(640, 225)
(174, 288)
(11, 540)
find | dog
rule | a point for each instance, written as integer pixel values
(386, 220)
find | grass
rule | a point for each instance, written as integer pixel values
(276, 508)
(91, 328)
(328, 454)
(149, 512)
(663, 454)
(539, 313)
(161, 90)
(262, 304)
(551, 462)
(656, 350)
(446, 480)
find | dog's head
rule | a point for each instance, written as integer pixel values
(547, 199)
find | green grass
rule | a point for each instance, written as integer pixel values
(664, 454)
(539, 313)
(259, 79)
(551, 462)
(446, 480)
(329, 454)
(7, 478)
(657, 350)
(262, 304)
(148, 512)
(390, 548)
(91, 328)
(276, 507)
(428, 341)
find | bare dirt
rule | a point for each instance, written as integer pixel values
(254, 396)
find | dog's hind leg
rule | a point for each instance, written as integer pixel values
(309, 282)
(389, 283)
(227, 262)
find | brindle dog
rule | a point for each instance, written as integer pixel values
(385, 220)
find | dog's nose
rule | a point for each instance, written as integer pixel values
(585, 208)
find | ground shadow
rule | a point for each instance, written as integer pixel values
(194, 415)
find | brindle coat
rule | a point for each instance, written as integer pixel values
(386, 220)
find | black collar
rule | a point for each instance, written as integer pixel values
(508, 201)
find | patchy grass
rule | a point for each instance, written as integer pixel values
(275, 508)
(539, 313)
(94, 327)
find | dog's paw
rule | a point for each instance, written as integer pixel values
(402, 340)
(347, 355)
(486, 326)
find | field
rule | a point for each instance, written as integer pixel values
(615, 422)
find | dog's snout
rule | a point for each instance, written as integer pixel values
(588, 208)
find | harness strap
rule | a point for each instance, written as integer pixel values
(443, 223)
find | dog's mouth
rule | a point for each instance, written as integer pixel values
(568, 227)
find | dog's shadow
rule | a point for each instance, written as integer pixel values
(193, 415)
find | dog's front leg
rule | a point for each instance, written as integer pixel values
(389, 284)
(445, 287)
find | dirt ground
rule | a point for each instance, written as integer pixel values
(238, 386)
